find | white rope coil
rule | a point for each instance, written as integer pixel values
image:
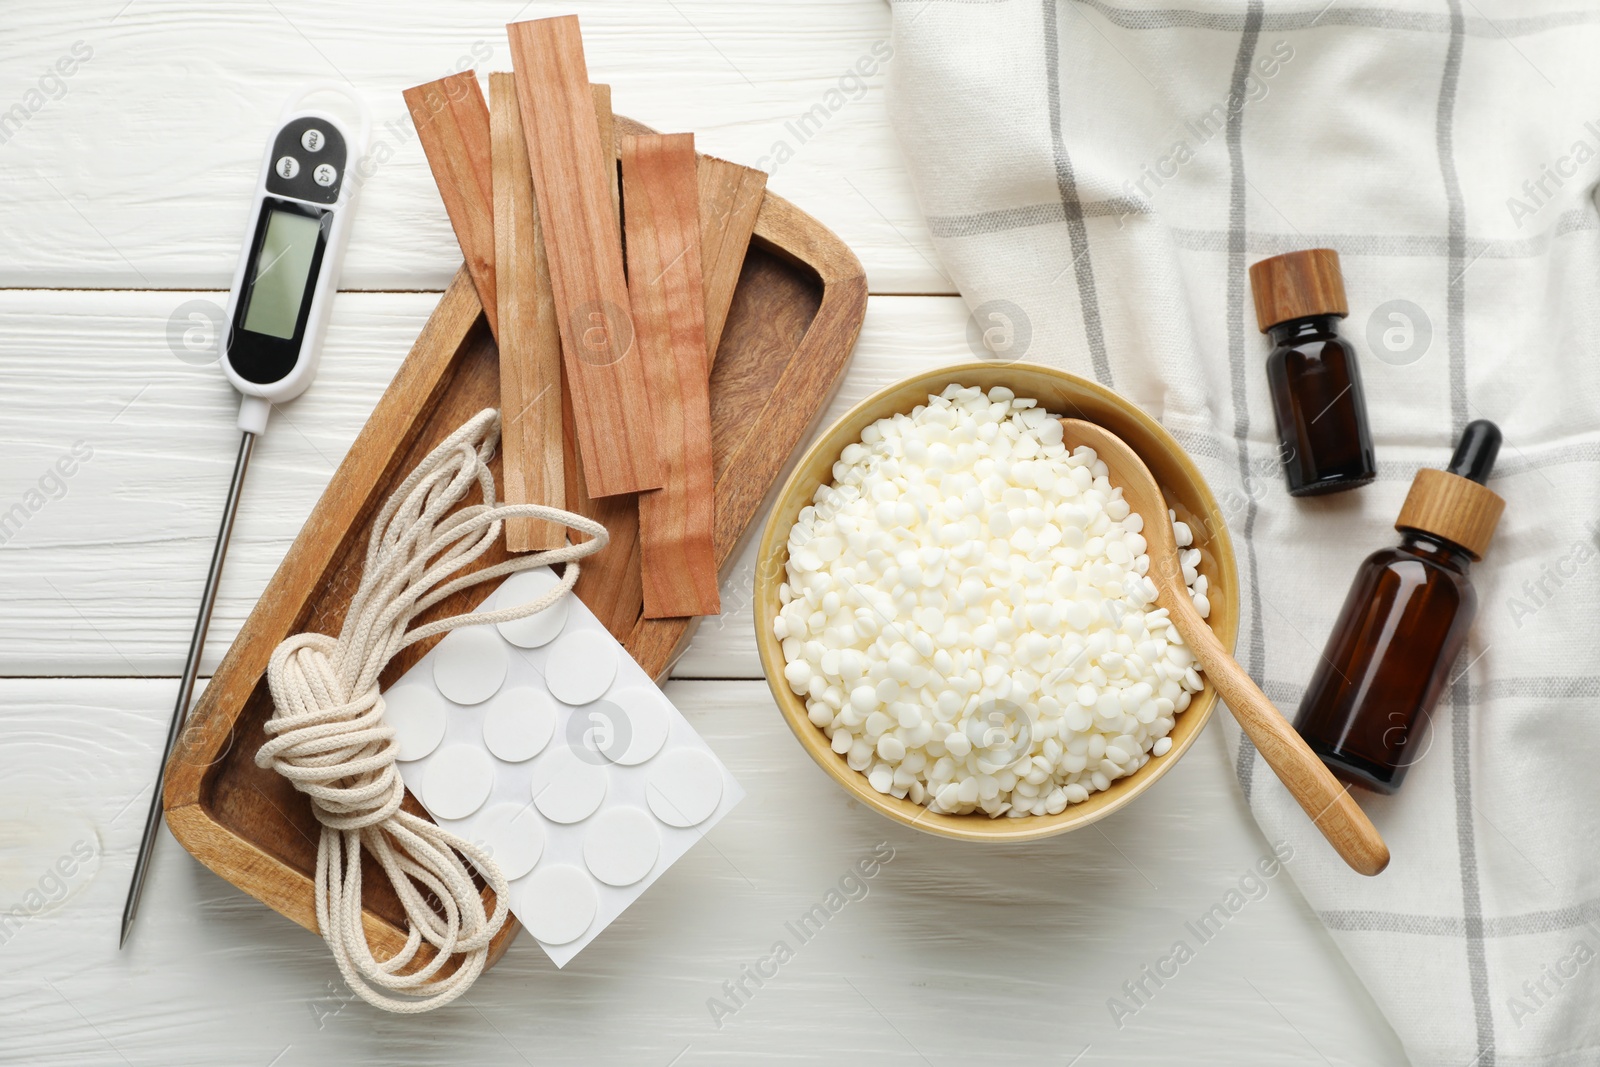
(328, 737)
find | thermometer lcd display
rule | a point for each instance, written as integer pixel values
(278, 285)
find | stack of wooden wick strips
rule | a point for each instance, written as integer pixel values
(605, 363)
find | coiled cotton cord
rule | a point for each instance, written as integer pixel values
(327, 734)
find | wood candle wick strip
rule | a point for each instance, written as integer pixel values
(730, 200)
(572, 182)
(530, 345)
(662, 222)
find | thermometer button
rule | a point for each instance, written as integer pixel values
(313, 140)
(287, 166)
(326, 174)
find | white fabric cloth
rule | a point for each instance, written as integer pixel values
(1098, 177)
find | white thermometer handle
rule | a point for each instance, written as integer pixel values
(288, 270)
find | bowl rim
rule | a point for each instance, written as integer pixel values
(976, 826)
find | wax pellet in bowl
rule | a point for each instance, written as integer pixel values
(976, 573)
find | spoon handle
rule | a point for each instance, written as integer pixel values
(1308, 780)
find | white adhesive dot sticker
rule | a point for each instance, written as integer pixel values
(582, 666)
(513, 835)
(567, 788)
(456, 781)
(557, 904)
(418, 717)
(621, 846)
(469, 665)
(518, 723)
(684, 787)
(535, 630)
(642, 718)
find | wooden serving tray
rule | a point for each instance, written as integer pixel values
(795, 317)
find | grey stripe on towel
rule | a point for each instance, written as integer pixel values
(1238, 219)
(1082, 264)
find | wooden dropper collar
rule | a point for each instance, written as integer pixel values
(1453, 504)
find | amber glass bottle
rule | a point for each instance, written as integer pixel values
(1404, 623)
(1325, 445)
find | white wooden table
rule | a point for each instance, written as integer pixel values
(124, 194)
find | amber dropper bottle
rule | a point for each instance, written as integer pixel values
(1404, 623)
(1324, 443)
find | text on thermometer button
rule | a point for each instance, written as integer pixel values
(288, 166)
(325, 174)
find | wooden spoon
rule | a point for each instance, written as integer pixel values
(1328, 803)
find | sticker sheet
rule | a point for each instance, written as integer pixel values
(542, 741)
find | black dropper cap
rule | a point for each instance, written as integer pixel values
(1476, 451)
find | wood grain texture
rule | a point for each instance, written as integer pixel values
(611, 583)
(763, 405)
(452, 122)
(1452, 507)
(531, 419)
(730, 200)
(677, 553)
(1297, 284)
(605, 119)
(572, 180)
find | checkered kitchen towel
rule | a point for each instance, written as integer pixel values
(1098, 176)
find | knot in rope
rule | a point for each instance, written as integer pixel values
(328, 737)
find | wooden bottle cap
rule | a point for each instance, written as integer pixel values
(1451, 507)
(1297, 284)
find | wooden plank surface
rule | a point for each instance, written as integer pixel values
(605, 117)
(730, 199)
(741, 77)
(531, 438)
(610, 583)
(125, 549)
(676, 522)
(945, 933)
(572, 179)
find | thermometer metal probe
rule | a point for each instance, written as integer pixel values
(278, 307)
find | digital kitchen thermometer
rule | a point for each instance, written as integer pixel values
(288, 272)
(278, 307)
